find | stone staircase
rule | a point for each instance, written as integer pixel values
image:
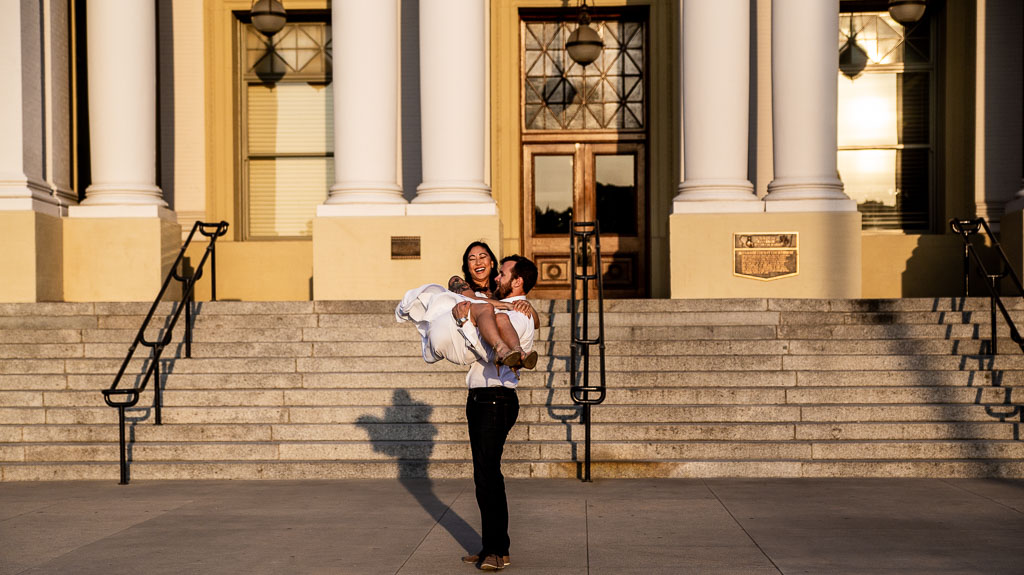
(697, 388)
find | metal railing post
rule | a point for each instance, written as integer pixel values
(581, 392)
(967, 269)
(186, 301)
(992, 312)
(124, 457)
(157, 392)
(213, 269)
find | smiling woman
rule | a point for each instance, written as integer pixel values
(479, 269)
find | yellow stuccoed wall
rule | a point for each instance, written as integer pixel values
(899, 265)
(31, 257)
(256, 271)
(118, 259)
(352, 255)
(829, 255)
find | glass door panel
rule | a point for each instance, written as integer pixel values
(553, 194)
(586, 181)
(616, 193)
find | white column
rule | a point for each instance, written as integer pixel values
(365, 39)
(21, 188)
(452, 99)
(121, 37)
(805, 66)
(716, 96)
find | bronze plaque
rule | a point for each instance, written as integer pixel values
(405, 247)
(765, 256)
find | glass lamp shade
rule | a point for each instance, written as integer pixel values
(584, 44)
(268, 16)
(906, 11)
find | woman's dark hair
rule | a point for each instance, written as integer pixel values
(492, 281)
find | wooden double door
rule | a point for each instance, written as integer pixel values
(586, 181)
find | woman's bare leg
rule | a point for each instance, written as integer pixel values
(511, 337)
(482, 315)
(497, 330)
(508, 333)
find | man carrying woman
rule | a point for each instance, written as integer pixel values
(492, 406)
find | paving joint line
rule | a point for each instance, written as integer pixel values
(429, 531)
(586, 529)
(976, 494)
(742, 528)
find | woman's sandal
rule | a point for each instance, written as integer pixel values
(513, 359)
(529, 360)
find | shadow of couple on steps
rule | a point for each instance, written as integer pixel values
(406, 434)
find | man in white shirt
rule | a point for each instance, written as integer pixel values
(491, 410)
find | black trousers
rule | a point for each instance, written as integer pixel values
(491, 413)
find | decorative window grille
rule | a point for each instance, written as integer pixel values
(886, 119)
(287, 138)
(559, 94)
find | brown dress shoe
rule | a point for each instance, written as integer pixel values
(474, 559)
(492, 563)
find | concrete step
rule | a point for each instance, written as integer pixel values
(902, 362)
(533, 451)
(630, 305)
(206, 319)
(536, 431)
(740, 413)
(412, 348)
(270, 470)
(707, 395)
(552, 382)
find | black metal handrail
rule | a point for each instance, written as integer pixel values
(582, 392)
(125, 398)
(967, 228)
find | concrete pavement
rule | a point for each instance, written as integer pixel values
(420, 526)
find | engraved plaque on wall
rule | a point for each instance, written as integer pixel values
(405, 247)
(765, 256)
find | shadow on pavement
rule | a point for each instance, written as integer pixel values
(405, 433)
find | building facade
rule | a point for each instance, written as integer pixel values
(728, 148)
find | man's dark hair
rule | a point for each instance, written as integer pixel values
(524, 269)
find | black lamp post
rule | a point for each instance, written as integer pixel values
(584, 44)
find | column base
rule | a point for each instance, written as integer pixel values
(689, 206)
(365, 194)
(810, 205)
(353, 257)
(808, 195)
(716, 196)
(111, 195)
(31, 256)
(704, 261)
(110, 256)
(18, 193)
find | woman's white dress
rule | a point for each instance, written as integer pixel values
(430, 308)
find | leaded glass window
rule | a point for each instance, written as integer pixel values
(885, 119)
(287, 138)
(559, 94)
